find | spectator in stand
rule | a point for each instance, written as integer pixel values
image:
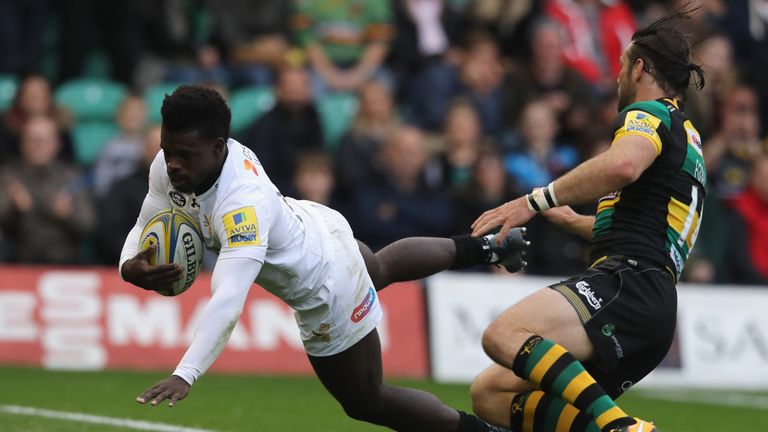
(715, 54)
(596, 32)
(314, 179)
(541, 159)
(85, 25)
(176, 45)
(345, 41)
(122, 154)
(545, 76)
(400, 205)
(44, 205)
(462, 141)
(292, 126)
(481, 77)
(730, 151)
(33, 99)
(375, 121)
(122, 201)
(507, 20)
(253, 37)
(424, 59)
(752, 206)
(489, 187)
(746, 23)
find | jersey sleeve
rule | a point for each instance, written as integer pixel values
(641, 123)
(242, 222)
(155, 201)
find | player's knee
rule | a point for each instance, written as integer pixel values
(480, 393)
(501, 342)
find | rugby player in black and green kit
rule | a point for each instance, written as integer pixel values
(566, 352)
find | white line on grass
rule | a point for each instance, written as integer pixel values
(89, 418)
(710, 398)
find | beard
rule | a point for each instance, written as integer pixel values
(627, 93)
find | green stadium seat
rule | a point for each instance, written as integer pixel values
(154, 96)
(336, 113)
(8, 87)
(91, 99)
(88, 138)
(248, 104)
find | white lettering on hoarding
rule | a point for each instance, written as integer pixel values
(17, 320)
(70, 312)
(272, 323)
(145, 323)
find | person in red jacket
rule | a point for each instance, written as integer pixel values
(752, 206)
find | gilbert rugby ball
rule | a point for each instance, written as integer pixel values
(179, 241)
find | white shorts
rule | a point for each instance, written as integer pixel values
(350, 307)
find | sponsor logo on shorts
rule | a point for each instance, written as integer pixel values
(608, 329)
(177, 198)
(585, 290)
(363, 308)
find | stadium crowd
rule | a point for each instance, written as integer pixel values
(411, 117)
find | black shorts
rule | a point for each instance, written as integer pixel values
(629, 311)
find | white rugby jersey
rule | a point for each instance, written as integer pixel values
(243, 216)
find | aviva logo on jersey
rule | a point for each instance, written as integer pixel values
(242, 227)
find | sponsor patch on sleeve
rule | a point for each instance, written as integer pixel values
(643, 124)
(242, 227)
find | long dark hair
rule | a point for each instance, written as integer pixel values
(666, 53)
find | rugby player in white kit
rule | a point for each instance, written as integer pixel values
(302, 252)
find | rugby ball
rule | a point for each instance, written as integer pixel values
(179, 240)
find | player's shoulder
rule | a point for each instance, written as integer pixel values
(158, 176)
(653, 113)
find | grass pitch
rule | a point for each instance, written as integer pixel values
(258, 403)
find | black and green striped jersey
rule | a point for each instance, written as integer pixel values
(657, 217)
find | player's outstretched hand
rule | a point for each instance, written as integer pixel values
(173, 389)
(510, 214)
(141, 273)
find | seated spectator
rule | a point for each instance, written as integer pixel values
(314, 179)
(425, 59)
(44, 205)
(462, 140)
(489, 187)
(731, 149)
(33, 98)
(545, 76)
(292, 126)
(376, 119)
(481, 76)
(507, 20)
(752, 206)
(121, 154)
(400, 205)
(253, 37)
(345, 41)
(597, 32)
(541, 159)
(715, 54)
(120, 204)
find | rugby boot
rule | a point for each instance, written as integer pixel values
(511, 252)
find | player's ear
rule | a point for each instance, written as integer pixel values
(220, 144)
(638, 67)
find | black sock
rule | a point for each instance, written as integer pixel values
(470, 423)
(470, 251)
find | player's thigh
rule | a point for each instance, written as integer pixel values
(545, 313)
(354, 374)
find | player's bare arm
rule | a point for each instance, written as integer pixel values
(141, 273)
(621, 164)
(571, 221)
